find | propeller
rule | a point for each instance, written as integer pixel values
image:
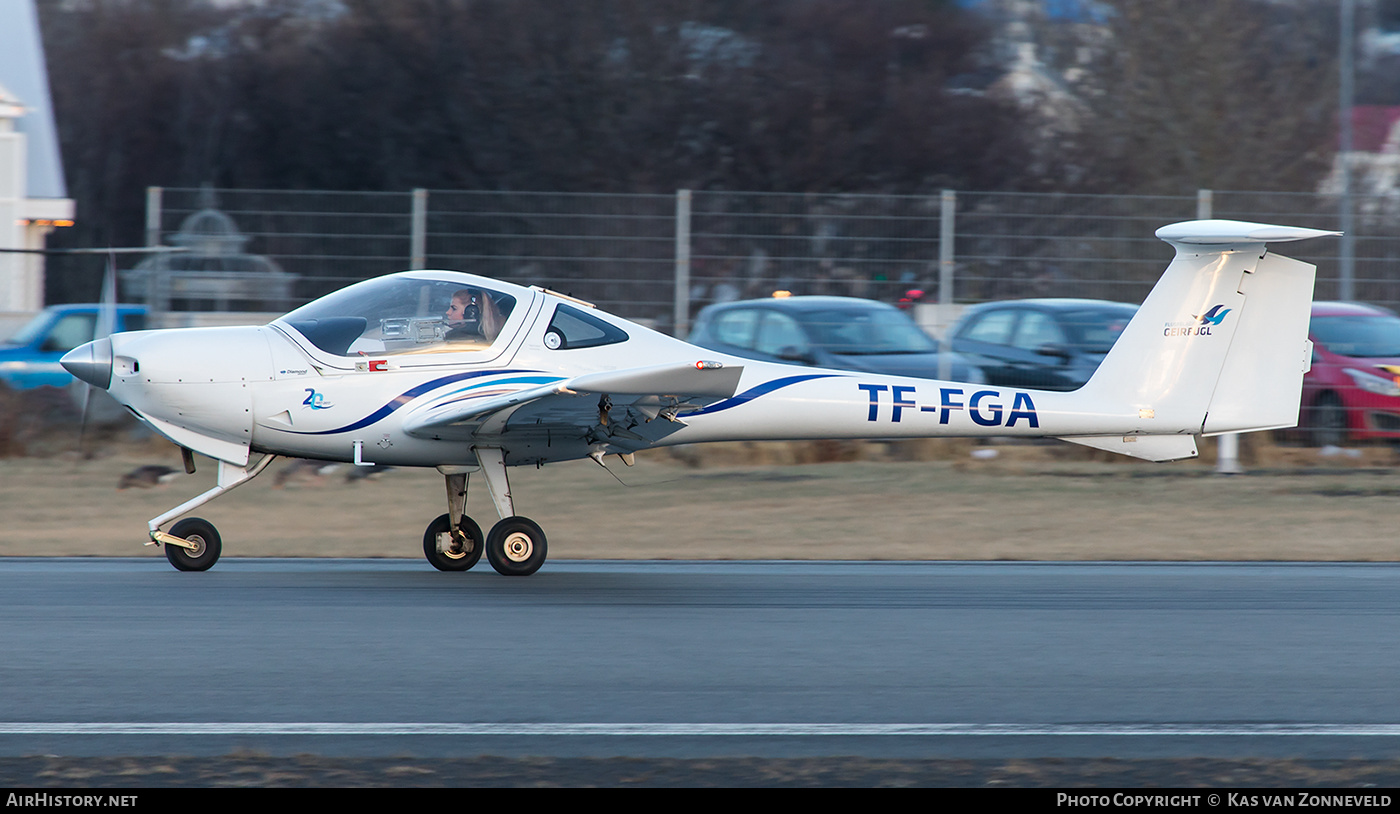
(105, 326)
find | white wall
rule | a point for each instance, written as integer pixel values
(32, 188)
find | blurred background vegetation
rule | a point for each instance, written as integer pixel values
(892, 96)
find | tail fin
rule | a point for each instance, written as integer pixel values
(1219, 345)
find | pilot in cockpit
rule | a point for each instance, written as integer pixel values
(473, 316)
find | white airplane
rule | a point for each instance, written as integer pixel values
(471, 375)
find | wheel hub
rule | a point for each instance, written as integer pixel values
(197, 545)
(450, 546)
(518, 547)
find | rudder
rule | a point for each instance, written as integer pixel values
(1261, 390)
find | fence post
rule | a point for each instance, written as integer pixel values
(156, 302)
(418, 231)
(682, 312)
(1227, 454)
(1346, 262)
(948, 205)
(153, 202)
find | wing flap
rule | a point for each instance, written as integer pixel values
(683, 379)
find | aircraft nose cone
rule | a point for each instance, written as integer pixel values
(91, 362)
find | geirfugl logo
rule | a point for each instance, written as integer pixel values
(1213, 316)
(1199, 325)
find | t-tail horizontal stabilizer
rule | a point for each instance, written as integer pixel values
(1219, 345)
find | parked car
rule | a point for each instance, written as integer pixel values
(845, 333)
(1352, 392)
(1042, 344)
(30, 358)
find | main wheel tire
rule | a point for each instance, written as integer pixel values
(1328, 422)
(207, 549)
(516, 547)
(445, 560)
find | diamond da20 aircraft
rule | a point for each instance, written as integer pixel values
(470, 375)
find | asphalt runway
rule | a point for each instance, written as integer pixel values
(997, 661)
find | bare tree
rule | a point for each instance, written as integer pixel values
(117, 86)
(1225, 94)
(606, 95)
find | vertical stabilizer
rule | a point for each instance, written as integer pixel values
(1220, 343)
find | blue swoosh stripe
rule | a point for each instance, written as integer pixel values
(407, 396)
(761, 390)
(516, 380)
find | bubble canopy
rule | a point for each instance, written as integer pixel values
(412, 312)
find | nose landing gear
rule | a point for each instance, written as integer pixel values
(193, 544)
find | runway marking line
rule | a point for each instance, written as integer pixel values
(699, 729)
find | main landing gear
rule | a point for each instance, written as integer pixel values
(515, 547)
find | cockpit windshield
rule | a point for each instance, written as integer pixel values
(405, 314)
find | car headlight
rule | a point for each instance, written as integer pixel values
(1372, 383)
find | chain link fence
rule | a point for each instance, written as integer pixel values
(616, 251)
(659, 258)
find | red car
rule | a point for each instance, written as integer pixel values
(1352, 392)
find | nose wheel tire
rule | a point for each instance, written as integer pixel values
(439, 547)
(207, 548)
(516, 547)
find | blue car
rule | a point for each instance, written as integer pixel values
(1042, 344)
(30, 358)
(843, 333)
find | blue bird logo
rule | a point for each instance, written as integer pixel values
(1214, 315)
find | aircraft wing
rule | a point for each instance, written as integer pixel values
(607, 399)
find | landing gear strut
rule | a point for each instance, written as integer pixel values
(515, 547)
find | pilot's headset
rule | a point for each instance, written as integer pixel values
(471, 312)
